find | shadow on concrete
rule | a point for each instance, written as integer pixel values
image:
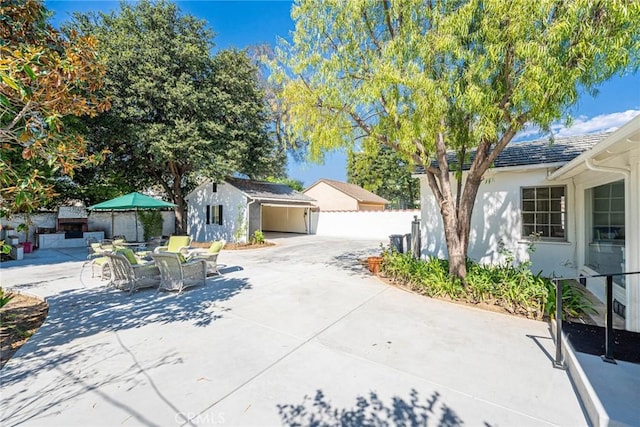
(47, 257)
(352, 261)
(77, 314)
(371, 411)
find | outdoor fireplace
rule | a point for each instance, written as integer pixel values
(72, 221)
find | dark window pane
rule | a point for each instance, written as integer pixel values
(543, 231)
(617, 219)
(600, 205)
(542, 205)
(557, 192)
(542, 218)
(556, 218)
(600, 219)
(556, 205)
(617, 189)
(557, 231)
(602, 191)
(617, 205)
(528, 218)
(529, 206)
(542, 193)
(529, 193)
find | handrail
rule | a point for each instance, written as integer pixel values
(608, 344)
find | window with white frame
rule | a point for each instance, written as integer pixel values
(544, 212)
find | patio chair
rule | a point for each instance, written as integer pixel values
(176, 275)
(209, 255)
(128, 274)
(177, 244)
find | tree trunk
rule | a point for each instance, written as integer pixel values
(180, 209)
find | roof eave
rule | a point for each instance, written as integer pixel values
(615, 137)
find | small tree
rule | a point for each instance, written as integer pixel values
(429, 77)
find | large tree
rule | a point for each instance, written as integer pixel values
(429, 77)
(386, 173)
(45, 78)
(179, 112)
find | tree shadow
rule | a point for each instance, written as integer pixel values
(352, 261)
(80, 313)
(371, 411)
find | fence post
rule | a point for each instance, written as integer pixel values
(558, 363)
(608, 343)
(416, 244)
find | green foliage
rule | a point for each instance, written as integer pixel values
(296, 184)
(258, 238)
(179, 112)
(242, 227)
(427, 78)
(5, 297)
(45, 78)
(151, 222)
(384, 172)
(574, 300)
(514, 288)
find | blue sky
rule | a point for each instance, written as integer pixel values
(243, 23)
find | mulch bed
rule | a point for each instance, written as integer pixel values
(234, 246)
(19, 319)
(590, 339)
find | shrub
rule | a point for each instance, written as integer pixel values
(4, 298)
(512, 287)
(151, 221)
(258, 237)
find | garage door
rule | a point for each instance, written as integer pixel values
(284, 219)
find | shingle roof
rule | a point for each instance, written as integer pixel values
(355, 191)
(537, 152)
(260, 190)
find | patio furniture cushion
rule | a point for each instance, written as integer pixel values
(176, 244)
(130, 277)
(128, 254)
(175, 275)
(216, 247)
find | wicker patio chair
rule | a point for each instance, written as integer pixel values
(128, 276)
(177, 244)
(209, 255)
(176, 275)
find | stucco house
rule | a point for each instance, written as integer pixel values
(341, 196)
(235, 208)
(582, 193)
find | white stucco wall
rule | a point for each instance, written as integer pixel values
(330, 199)
(124, 224)
(363, 224)
(497, 216)
(234, 212)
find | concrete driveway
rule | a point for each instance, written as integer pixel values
(296, 334)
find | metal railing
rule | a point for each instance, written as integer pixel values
(608, 340)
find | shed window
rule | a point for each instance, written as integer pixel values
(214, 214)
(544, 212)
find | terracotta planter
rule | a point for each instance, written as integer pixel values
(374, 264)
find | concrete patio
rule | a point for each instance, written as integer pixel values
(295, 334)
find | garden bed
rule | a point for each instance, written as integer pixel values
(20, 318)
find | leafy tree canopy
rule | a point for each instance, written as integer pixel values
(179, 112)
(45, 78)
(385, 173)
(427, 77)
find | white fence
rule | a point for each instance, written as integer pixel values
(123, 224)
(363, 224)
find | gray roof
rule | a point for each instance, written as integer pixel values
(537, 152)
(260, 190)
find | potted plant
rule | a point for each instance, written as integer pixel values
(24, 227)
(374, 262)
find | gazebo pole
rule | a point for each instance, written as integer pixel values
(135, 212)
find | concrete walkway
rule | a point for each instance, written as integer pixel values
(297, 334)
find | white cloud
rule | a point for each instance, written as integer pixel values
(583, 125)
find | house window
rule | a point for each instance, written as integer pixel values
(544, 212)
(214, 214)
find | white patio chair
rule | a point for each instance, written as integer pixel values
(176, 275)
(131, 277)
(209, 255)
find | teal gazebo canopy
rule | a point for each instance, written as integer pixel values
(131, 202)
